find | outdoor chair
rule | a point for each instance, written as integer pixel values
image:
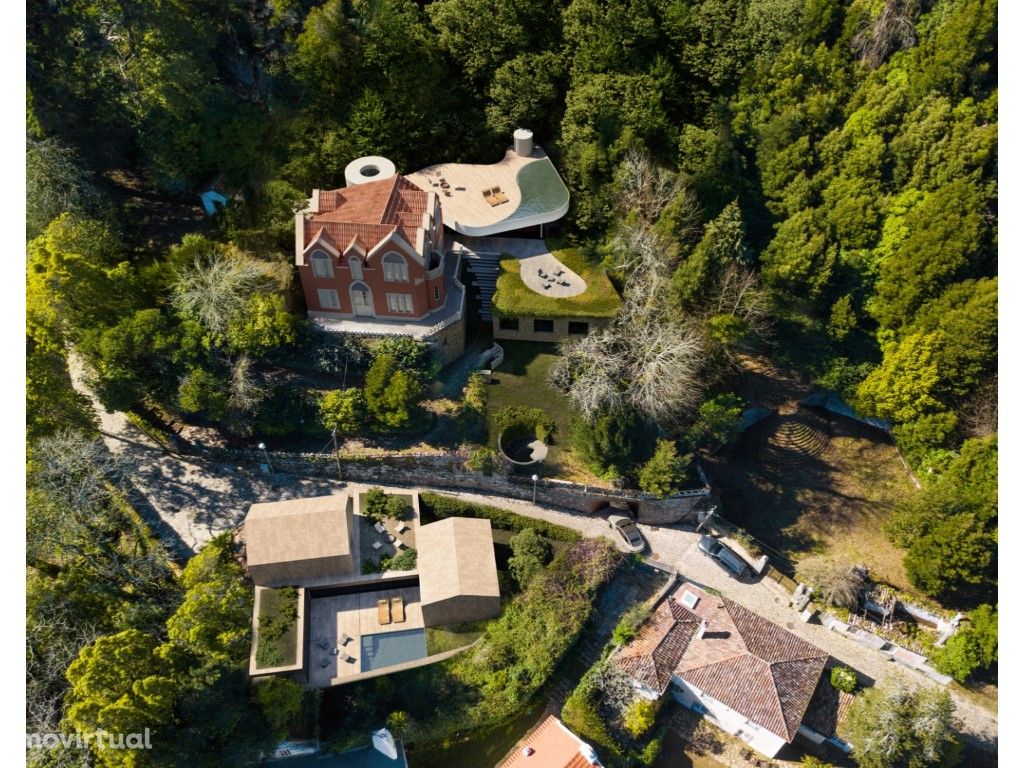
(398, 609)
(379, 527)
(559, 273)
(344, 639)
(383, 612)
(401, 526)
(546, 286)
(541, 272)
(490, 198)
(499, 195)
(348, 658)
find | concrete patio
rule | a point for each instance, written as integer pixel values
(355, 616)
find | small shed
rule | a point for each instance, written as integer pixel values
(299, 540)
(458, 572)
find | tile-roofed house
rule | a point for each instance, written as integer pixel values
(659, 645)
(551, 745)
(751, 676)
(372, 258)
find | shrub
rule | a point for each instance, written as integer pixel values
(746, 541)
(530, 552)
(533, 419)
(343, 410)
(395, 507)
(521, 649)
(392, 392)
(639, 716)
(835, 581)
(718, 420)
(843, 679)
(582, 717)
(611, 444)
(974, 646)
(280, 700)
(630, 622)
(474, 409)
(440, 506)
(374, 505)
(663, 473)
(483, 459)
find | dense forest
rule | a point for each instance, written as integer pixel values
(815, 178)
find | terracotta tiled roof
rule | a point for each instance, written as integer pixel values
(369, 211)
(751, 665)
(655, 652)
(553, 745)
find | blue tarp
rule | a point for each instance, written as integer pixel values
(831, 402)
(211, 199)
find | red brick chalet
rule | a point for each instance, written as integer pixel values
(373, 250)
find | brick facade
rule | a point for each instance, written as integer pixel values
(374, 250)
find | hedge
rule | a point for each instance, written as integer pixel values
(439, 506)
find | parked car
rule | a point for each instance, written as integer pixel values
(628, 532)
(735, 565)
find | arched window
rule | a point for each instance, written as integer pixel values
(362, 299)
(321, 264)
(396, 269)
(355, 264)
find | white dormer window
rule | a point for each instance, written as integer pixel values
(396, 270)
(356, 267)
(321, 264)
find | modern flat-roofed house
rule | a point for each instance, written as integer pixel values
(372, 259)
(747, 675)
(299, 541)
(550, 296)
(324, 613)
(458, 572)
(551, 745)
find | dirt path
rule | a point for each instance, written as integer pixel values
(187, 500)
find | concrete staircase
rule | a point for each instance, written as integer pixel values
(482, 271)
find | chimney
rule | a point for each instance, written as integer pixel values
(522, 142)
(527, 751)
(701, 629)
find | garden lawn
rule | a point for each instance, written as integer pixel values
(522, 380)
(832, 504)
(512, 297)
(284, 647)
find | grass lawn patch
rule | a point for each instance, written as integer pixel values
(452, 636)
(277, 628)
(834, 504)
(522, 380)
(512, 297)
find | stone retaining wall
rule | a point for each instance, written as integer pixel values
(448, 471)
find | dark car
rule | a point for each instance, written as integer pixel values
(628, 532)
(735, 565)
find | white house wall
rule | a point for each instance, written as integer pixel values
(726, 718)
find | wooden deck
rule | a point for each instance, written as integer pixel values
(355, 616)
(467, 205)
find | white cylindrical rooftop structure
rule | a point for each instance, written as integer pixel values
(371, 168)
(522, 142)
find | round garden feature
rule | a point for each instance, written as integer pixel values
(519, 444)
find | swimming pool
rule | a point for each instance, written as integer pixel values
(389, 648)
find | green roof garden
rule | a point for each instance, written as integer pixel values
(513, 298)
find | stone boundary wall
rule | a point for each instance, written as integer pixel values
(443, 471)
